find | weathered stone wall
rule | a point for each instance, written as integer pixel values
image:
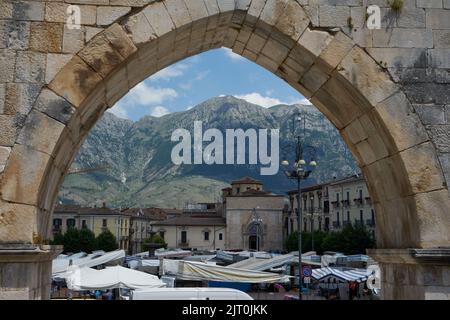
(386, 90)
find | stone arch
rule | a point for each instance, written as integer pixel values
(372, 112)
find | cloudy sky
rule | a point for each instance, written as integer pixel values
(196, 79)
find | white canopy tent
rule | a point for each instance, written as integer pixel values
(343, 275)
(60, 266)
(80, 279)
(190, 270)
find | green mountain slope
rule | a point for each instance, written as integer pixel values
(138, 154)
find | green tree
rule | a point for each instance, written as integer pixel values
(106, 241)
(88, 242)
(156, 238)
(72, 240)
(58, 239)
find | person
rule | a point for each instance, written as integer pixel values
(98, 294)
(109, 295)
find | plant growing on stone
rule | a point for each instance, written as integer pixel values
(396, 5)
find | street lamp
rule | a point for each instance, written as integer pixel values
(297, 171)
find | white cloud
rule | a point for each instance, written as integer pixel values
(173, 71)
(233, 56)
(200, 76)
(144, 94)
(159, 111)
(119, 111)
(259, 99)
(267, 101)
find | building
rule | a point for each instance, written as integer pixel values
(140, 225)
(331, 206)
(196, 231)
(253, 216)
(96, 219)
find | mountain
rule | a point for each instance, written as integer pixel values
(138, 155)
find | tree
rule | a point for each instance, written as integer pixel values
(155, 239)
(88, 242)
(106, 241)
(72, 240)
(58, 239)
(350, 240)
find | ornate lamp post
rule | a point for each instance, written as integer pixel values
(299, 171)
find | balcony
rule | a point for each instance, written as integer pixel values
(346, 203)
(359, 222)
(335, 204)
(358, 201)
(368, 201)
(56, 229)
(346, 223)
(336, 224)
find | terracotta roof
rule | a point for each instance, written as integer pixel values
(193, 221)
(246, 180)
(150, 213)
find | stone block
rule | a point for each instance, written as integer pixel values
(399, 57)
(20, 97)
(14, 34)
(441, 38)
(438, 19)
(431, 114)
(55, 62)
(101, 55)
(403, 38)
(46, 37)
(140, 29)
(17, 222)
(40, 132)
(9, 127)
(433, 219)
(364, 74)
(4, 155)
(30, 66)
(7, 63)
(333, 16)
(422, 165)
(293, 21)
(108, 15)
(159, 18)
(440, 135)
(2, 97)
(57, 12)
(73, 40)
(178, 12)
(197, 9)
(6, 10)
(315, 41)
(403, 125)
(54, 106)
(439, 58)
(120, 41)
(75, 81)
(28, 10)
(336, 50)
(23, 175)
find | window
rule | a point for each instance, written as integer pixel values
(83, 224)
(57, 222)
(183, 236)
(220, 236)
(206, 236)
(373, 217)
(70, 223)
(248, 188)
(104, 223)
(361, 216)
(348, 216)
(161, 234)
(304, 226)
(238, 190)
(337, 197)
(360, 194)
(348, 196)
(337, 217)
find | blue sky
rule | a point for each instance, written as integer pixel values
(199, 78)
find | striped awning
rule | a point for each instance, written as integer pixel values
(358, 275)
